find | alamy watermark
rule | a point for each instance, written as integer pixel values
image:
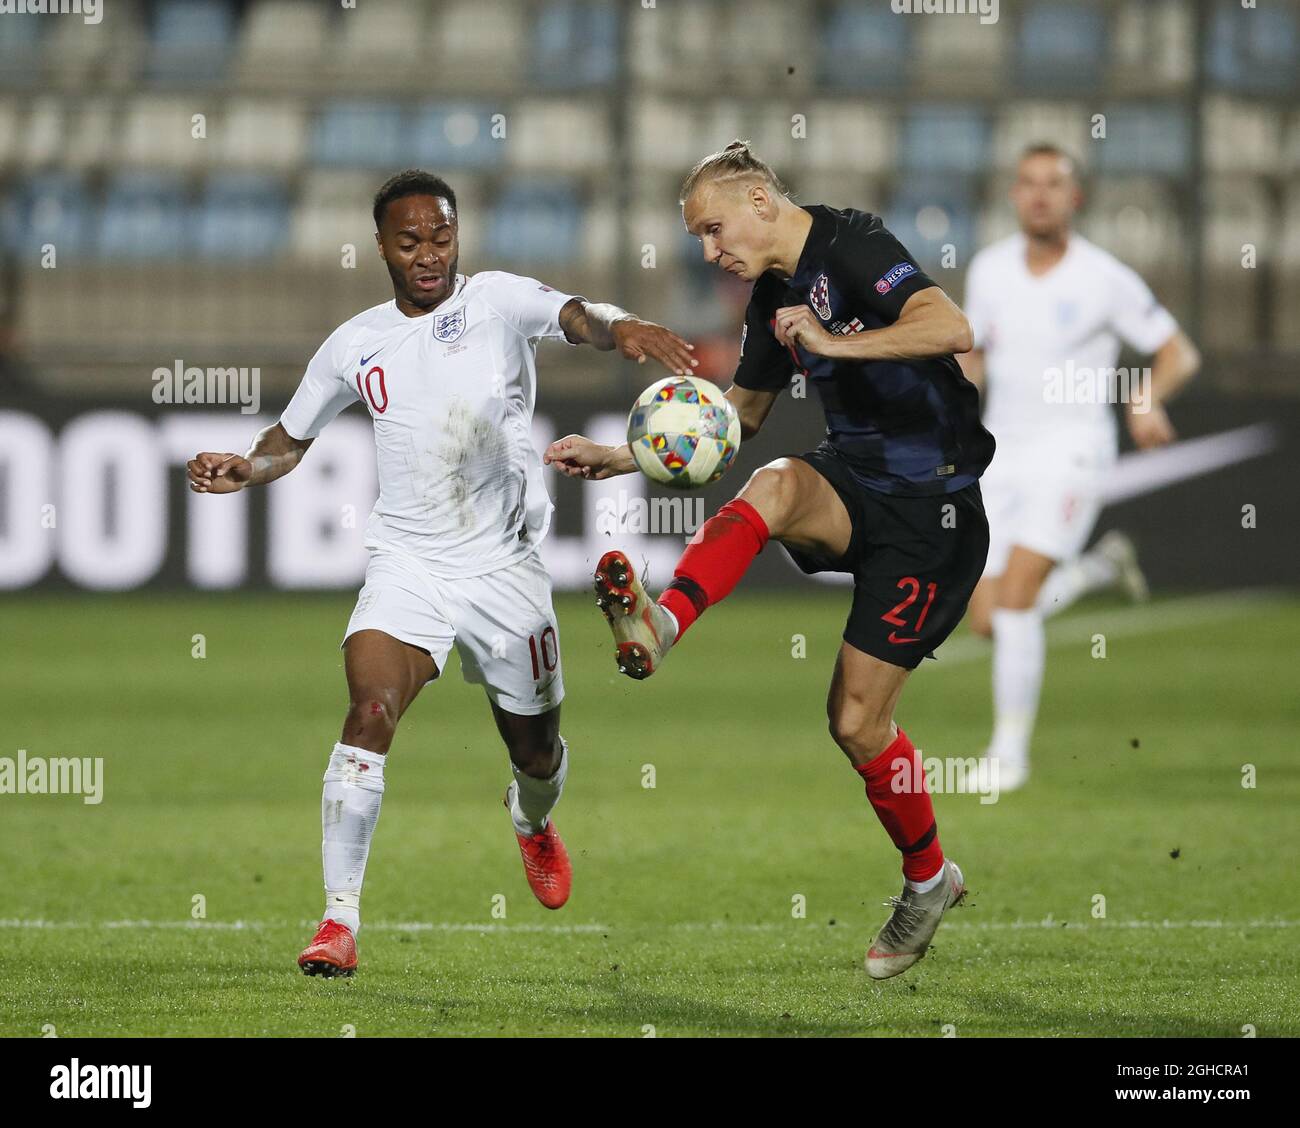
(92, 11)
(1079, 384)
(179, 384)
(630, 513)
(946, 775)
(59, 775)
(987, 10)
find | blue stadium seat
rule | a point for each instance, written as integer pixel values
(1144, 138)
(242, 215)
(945, 139)
(50, 208)
(1253, 51)
(1062, 46)
(369, 134)
(864, 47)
(20, 47)
(146, 215)
(928, 212)
(538, 221)
(575, 43)
(455, 136)
(192, 40)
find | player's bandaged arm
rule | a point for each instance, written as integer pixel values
(929, 324)
(607, 327)
(273, 454)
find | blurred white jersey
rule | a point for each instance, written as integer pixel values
(451, 394)
(1050, 339)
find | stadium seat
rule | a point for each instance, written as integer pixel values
(575, 43)
(362, 133)
(1138, 219)
(1062, 46)
(146, 215)
(282, 43)
(538, 221)
(22, 55)
(847, 136)
(959, 53)
(554, 135)
(157, 131)
(1146, 139)
(191, 40)
(261, 133)
(450, 135)
(927, 214)
(863, 47)
(1241, 136)
(1021, 124)
(479, 40)
(387, 30)
(1253, 50)
(242, 215)
(945, 139)
(51, 207)
(14, 126)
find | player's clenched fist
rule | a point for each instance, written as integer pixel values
(797, 325)
(218, 473)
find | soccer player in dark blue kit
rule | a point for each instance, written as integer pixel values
(891, 496)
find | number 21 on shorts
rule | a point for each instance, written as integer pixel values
(894, 616)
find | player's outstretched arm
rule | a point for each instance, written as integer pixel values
(607, 327)
(580, 457)
(930, 324)
(273, 454)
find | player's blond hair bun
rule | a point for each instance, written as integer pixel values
(737, 161)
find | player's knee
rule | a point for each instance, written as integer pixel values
(772, 490)
(537, 758)
(372, 720)
(861, 734)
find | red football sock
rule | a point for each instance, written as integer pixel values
(896, 788)
(718, 555)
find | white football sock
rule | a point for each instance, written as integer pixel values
(354, 789)
(1018, 656)
(1073, 579)
(532, 799)
(928, 884)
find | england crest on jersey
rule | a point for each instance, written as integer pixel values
(448, 327)
(820, 295)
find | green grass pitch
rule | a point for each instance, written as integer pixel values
(682, 920)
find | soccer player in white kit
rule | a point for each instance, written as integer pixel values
(447, 372)
(1049, 310)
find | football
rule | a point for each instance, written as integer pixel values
(683, 432)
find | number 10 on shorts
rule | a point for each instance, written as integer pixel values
(544, 651)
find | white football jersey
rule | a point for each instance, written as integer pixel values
(451, 394)
(1047, 340)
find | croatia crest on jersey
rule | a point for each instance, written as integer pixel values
(448, 327)
(820, 296)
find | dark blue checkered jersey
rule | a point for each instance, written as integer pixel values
(908, 427)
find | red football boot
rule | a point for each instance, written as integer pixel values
(546, 864)
(332, 951)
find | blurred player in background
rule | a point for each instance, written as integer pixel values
(1049, 310)
(892, 495)
(447, 370)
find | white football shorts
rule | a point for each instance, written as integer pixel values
(1045, 501)
(502, 624)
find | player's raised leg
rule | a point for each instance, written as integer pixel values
(384, 676)
(864, 693)
(786, 500)
(539, 759)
